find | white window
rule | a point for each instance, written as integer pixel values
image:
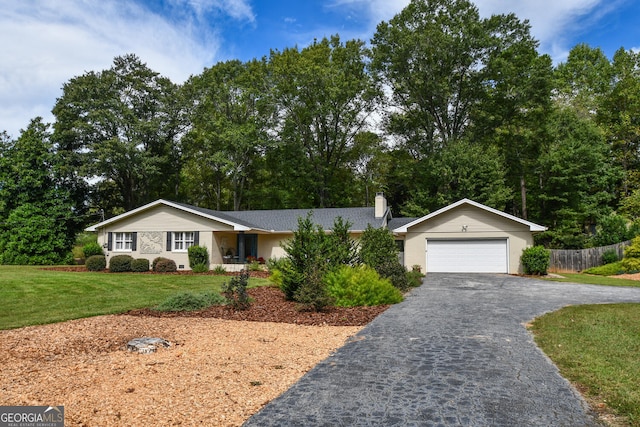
(123, 241)
(182, 240)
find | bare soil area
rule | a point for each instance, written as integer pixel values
(221, 368)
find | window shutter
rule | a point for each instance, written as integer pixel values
(134, 241)
(169, 233)
(196, 238)
(110, 241)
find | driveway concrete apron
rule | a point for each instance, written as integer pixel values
(454, 353)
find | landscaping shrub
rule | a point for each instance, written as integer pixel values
(306, 253)
(535, 260)
(156, 261)
(96, 263)
(254, 266)
(360, 286)
(414, 278)
(235, 291)
(120, 263)
(378, 250)
(610, 256)
(631, 260)
(394, 271)
(198, 258)
(312, 294)
(219, 270)
(91, 249)
(165, 265)
(189, 301)
(377, 247)
(140, 265)
(610, 269)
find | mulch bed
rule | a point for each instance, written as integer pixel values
(269, 305)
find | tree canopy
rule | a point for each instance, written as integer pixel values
(441, 105)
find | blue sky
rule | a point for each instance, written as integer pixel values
(44, 43)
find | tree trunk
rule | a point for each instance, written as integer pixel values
(523, 195)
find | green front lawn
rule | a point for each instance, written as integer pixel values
(588, 279)
(33, 296)
(597, 347)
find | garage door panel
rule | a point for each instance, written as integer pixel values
(467, 256)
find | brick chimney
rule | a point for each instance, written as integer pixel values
(380, 206)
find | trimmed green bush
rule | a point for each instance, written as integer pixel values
(610, 256)
(535, 260)
(189, 301)
(140, 265)
(392, 269)
(198, 258)
(120, 263)
(360, 286)
(91, 249)
(610, 269)
(633, 250)
(155, 262)
(96, 263)
(165, 265)
(235, 291)
(631, 265)
(414, 278)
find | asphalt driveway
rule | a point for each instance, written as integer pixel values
(454, 353)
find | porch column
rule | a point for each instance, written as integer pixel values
(241, 256)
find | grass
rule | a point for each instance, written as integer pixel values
(597, 347)
(32, 296)
(595, 280)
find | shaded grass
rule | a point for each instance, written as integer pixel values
(32, 296)
(597, 347)
(595, 280)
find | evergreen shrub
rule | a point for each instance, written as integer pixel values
(165, 265)
(120, 263)
(91, 249)
(610, 269)
(535, 260)
(360, 286)
(96, 263)
(198, 258)
(140, 265)
(610, 256)
(235, 291)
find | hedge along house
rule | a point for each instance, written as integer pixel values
(465, 236)
(233, 238)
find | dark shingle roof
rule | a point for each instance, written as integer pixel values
(399, 222)
(287, 219)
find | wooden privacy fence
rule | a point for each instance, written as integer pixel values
(574, 260)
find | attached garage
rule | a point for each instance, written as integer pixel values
(465, 237)
(467, 256)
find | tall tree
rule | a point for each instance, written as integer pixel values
(619, 114)
(583, 80)
(123, 122)
(516, 101)
(230, 116)
(38, 215)
(324, 97)
(430, 55)
(576, 178)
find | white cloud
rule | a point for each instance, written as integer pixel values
(549, 19)
(44, 43)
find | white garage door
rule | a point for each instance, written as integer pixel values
(467, 256)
